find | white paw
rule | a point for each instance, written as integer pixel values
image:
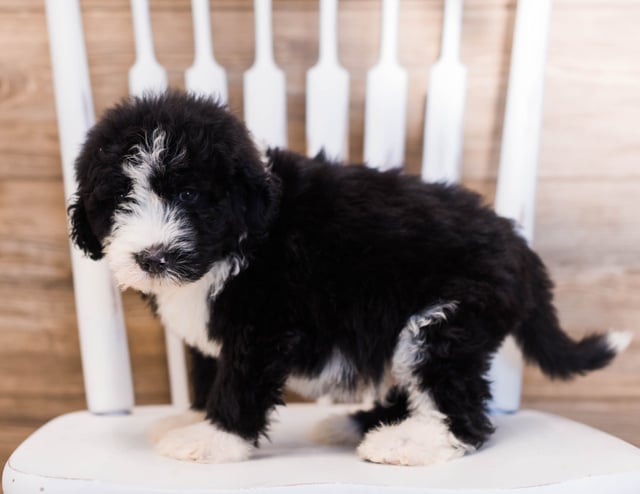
(165, 424)
(415, 441)
(203, 443)
(336, 429)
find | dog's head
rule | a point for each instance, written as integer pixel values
(167, 186)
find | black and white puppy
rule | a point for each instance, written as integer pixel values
(283, 270)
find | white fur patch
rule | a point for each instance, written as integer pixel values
(185, 309)
(421, 440)
(410, 350)
(262, 148)
(619, 340)
(165, 424)
(336, 429)
(203, 442)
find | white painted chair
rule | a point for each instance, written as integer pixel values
(104, 449)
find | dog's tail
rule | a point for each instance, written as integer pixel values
(543, 341)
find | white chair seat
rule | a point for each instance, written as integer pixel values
(82, 453)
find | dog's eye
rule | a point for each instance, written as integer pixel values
(188, 196)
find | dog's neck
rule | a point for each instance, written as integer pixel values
(184, 309)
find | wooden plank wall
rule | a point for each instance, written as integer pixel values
(587, 229)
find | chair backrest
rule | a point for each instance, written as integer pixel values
(105, 358)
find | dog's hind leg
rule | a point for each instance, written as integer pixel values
(443, 372)
(348, 429)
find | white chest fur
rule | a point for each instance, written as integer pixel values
(185, 310)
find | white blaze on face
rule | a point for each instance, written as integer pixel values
(147, 220)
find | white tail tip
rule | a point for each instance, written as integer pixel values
(619, 340)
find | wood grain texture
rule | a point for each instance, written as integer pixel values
(587, 228)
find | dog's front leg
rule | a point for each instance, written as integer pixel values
(247, 386)
(202, 374)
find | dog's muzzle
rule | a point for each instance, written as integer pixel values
(154, 260)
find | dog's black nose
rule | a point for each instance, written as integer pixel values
(152, 260)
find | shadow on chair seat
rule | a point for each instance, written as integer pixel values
(541, 453)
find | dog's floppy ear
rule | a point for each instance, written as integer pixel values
(258, 191)
(81, 232)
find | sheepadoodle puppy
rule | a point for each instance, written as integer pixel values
(281, 270)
